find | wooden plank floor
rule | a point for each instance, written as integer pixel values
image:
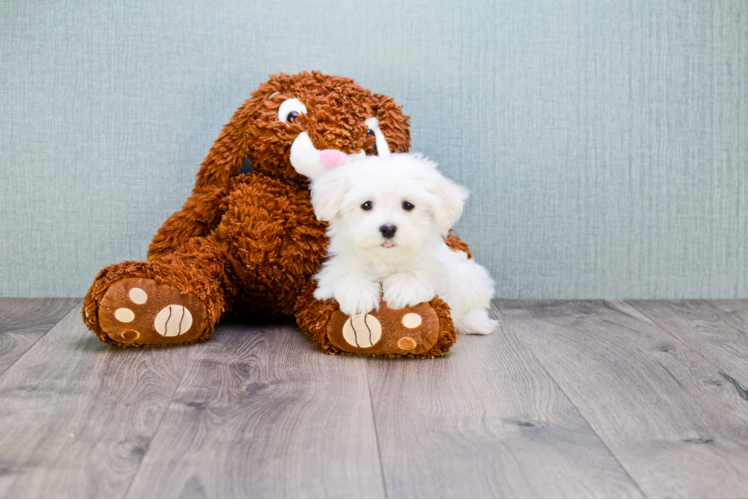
(567, 399)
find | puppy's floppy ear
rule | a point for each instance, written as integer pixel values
(328, 191)
(451, 199)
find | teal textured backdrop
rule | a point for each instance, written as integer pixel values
(604, 141)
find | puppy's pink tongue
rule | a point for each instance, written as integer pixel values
(388, 244)
(332, 158)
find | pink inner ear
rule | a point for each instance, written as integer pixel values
(332, 158)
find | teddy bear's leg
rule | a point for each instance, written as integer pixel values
(421, 331)
(176, 299)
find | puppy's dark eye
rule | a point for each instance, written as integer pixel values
(370, 132)
(292, 116)
(367, 205)
(408, 206)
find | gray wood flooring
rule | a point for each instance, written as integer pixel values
(566, 399)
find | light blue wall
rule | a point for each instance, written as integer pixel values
(605, 141)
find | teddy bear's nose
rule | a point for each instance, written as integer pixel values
(388, 230)
(332, 158)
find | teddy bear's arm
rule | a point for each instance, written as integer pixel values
(199, 215)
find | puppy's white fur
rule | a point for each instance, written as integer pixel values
(419, 264)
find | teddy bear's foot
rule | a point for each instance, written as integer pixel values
(423, 330)
(139, 311)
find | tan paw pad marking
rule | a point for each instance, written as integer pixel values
(407, 343)
(130, 335)
(411, 320)
(173, 320)
(138, 296)
(362, 330)
(124, 315)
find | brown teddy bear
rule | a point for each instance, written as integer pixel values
(247, 240)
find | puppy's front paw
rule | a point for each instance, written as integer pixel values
(400, 290)
(359, 298)
(324, 293)
(475, 322)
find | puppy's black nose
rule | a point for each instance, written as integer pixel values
(388, 230)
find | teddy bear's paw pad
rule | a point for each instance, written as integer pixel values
(173, 320)
(408, 331)
(362, 330)
(139, 311)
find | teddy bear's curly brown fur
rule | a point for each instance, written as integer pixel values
(249, 242)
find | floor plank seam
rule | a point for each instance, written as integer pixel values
(571, 401)
(80, 301)
(693, 349)
(158, 427)
(376, 432)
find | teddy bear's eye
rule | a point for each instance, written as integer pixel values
(290, 110)
(408, 206)
(370, 132)
(367, 205)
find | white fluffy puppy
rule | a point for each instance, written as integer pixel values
(387, 220)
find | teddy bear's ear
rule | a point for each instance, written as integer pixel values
(451, 200)
(227, 154)
(394, 124)
(328, 191)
